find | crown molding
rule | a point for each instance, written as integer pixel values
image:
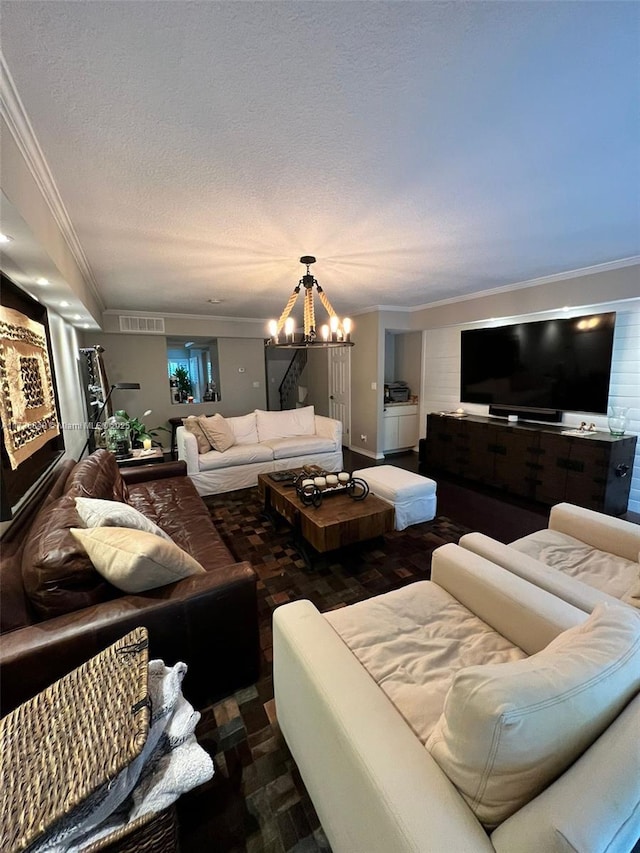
(13, 112)
(534, 282)
(116, 312)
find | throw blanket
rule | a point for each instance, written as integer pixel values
(170, 764)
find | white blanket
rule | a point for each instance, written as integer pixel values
(170, 764)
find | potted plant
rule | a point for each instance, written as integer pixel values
(185, 387)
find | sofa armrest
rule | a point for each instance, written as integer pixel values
(375, 787)
(161, 471)
(209, 621)
(525, 614)
(569, 589)
(612, 535)
(188, 449)
(329, 428)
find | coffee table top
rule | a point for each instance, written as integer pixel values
(338, 521)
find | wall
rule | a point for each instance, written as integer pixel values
(143, 359)
(73, 416)
(441, 375)
(367, 372)
(408, 359)
(316, 380)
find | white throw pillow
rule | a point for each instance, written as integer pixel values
(244, 429)
(217, 432)
(286, 424)
(133, 560)
(508, 730)
(95, 512)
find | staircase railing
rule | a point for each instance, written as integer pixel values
(288, 389)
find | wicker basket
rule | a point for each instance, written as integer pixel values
(61, 746)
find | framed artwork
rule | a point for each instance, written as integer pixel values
(31, 439)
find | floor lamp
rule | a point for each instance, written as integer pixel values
(118, 386)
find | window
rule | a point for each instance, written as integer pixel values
(193, 371)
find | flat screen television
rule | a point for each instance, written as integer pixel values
(562, 364)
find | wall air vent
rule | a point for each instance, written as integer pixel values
(142, 325)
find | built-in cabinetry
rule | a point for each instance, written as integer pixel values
(400, 426)
(534, 461)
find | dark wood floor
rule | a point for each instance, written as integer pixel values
(490, 512)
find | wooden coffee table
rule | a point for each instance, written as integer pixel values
(339, 521)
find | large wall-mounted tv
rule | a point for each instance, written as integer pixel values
(562, 364)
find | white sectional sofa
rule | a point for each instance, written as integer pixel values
(263, 442)
(376, 703)
(584, 557)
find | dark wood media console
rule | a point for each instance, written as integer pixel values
(533, 461)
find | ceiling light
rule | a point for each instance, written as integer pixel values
(336, 334)
(64, 304)
(43, 282)
(77, 316)
(85, 325)
(4, 238)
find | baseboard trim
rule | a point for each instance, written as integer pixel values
(369, 453)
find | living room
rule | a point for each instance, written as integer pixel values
(454, 167)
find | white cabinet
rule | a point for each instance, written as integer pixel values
(400, 427)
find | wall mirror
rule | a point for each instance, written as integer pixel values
(193, 370)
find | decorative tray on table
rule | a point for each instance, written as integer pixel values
(312, 487)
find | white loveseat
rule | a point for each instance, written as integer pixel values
(584, 557)
(263, 442)
(360, 690)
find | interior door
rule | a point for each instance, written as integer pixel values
(340, 389)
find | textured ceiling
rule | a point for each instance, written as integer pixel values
(420, 150)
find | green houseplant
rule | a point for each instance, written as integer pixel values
(185, 387)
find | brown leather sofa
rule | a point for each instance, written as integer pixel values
(56, 611)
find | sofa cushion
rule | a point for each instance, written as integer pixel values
(607, 572)
(299, 445)
(134, 560)
(192, 424)
(58, 575)
(412, 641)
(217, 432)
(97, 476)
(286, 423)
(94, 512)
(239, 454)
(508, 730)
(175, 505)
(244, 428)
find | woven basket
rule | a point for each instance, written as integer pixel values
(61, 746)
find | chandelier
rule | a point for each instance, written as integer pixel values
(335, 333)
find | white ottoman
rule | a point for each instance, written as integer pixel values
(413, 496)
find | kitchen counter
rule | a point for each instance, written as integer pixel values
(408, 403)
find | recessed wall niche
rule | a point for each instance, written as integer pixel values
(193, 370)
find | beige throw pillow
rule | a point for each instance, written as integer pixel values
(95, 512)
(134, 560)
(508, 730)
(218, 432)
(192, 424)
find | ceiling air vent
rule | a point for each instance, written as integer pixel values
(142, 325)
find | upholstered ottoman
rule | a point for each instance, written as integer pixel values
(413, 496)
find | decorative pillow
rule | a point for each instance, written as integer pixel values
(134, 560)
(244, 429)
(217, 432)
(286, 424)
(192, 424)
(57, 574)
(97, 513)
(508, 730)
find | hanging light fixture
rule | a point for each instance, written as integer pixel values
(334, 333)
